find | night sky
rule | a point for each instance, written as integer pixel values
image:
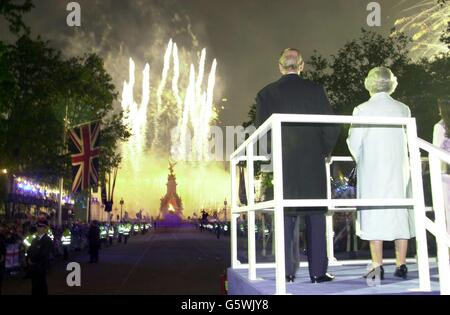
(246, 36)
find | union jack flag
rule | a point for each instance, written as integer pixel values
(84, 146)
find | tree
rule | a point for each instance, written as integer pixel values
(446, 36)
(88, 95)
(46, 86)
(13, 13)
(343, 74)
(38, 89)
(30, 146)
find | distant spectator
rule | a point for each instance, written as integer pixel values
(94, 241)
(2, 255)
(441, 139)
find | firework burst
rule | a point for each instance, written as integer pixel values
(425, 22)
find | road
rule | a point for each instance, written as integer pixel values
(164, 261)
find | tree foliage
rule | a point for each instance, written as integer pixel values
(13, 11)
(343, 74)
(45, 87)
(38, 89)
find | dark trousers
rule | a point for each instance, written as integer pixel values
(93, 252)
(218, 232)
(39, 283)
(316, 248)
(2, 271)
(65, 253)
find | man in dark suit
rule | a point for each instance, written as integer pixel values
(38, 257)
(305, 147)
(94, 241)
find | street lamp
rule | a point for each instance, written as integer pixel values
(225, 208)
(121, 207)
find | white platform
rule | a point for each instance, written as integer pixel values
(348, 281)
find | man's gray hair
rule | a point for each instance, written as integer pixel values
(290, 63)
(381, 79)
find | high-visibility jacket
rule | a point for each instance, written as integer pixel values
(111, 231)
(136, 227)
(127, 229)
(120, 229)
(66, 237)
(28, 240)
(50, 234)
(103, 232)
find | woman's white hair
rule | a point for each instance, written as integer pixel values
(381, 79)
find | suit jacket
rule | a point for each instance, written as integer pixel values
(39, 254)
(94, 237)
(305, 146)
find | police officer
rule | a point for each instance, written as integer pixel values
(66, 240)
(120, 232)
(126, 231)
(135, 228)
(38, 257)
(103, 234)
(111, 233)
(218, 227)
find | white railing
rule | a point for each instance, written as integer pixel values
(245, 152)
(438, 227)
(332, 261)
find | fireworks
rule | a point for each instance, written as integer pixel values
(425, 23)
(136, 115)
(193, 115)
(183, 98)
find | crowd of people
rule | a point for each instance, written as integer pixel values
(30, 246)
(212, 224)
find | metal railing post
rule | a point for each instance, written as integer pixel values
(355, 234)
(329, 217)
(419, 207)
(264, 239)
(234, 217)
(251, 214)
(280, 269)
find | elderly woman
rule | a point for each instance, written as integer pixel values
(441, 139)
(381, 155)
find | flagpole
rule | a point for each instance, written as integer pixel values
(88, 207)
(61, 179)
(61, 184)
(85, 123)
